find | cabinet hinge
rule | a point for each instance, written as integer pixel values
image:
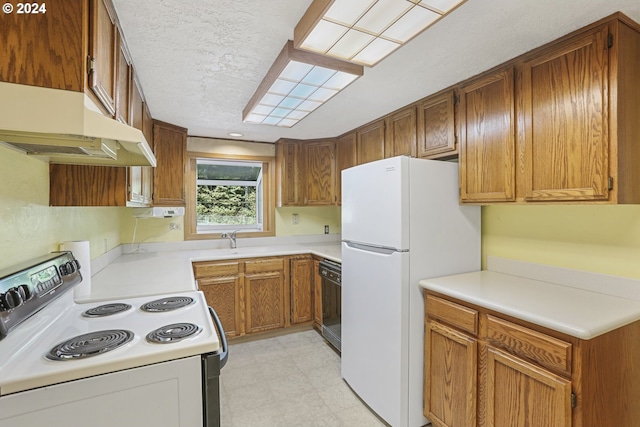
(610, 41)
(610, 183)
(91, 64)
(574, 400)
(456, 99)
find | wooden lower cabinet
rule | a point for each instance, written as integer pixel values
(301, 289)
(487, 369)
(253, 295)
(522, 394)
(450, 393)
(317, 295)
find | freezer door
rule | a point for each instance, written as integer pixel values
(375, 203)
(375, 329)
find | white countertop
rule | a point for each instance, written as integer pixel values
(577, 312)
(162, 272)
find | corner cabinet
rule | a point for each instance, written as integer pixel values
(484, 368)
(170, 149)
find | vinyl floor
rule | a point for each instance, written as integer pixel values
(288, 380)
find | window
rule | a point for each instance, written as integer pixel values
(228, 193)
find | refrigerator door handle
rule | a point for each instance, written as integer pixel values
(385, 250)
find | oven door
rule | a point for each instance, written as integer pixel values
(212, 363)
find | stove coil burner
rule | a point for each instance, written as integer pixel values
(166, 304)
(91, 344)
(173, 333)
(106, 310)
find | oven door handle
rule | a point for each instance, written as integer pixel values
(224, 355)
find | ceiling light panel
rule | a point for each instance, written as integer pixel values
(366, 31)
(297, 83)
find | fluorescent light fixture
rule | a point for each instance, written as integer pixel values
(366, 31)
(297, 83)
(235, 134)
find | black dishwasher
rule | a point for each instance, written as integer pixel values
(331, 273)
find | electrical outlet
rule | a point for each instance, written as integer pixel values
(326, 229)
(174, 226)
(295, 218)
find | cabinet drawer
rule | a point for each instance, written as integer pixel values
(454, 314)
(216, 269)
(549, 352)
(263, 265)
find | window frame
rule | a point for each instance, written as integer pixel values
(268, 196)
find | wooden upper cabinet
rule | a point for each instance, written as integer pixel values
(565, 99)
(487, 138)
(289, 173)
(45, 49)
(170, 149)
(320, 173)
(124, 83)
(436, 125)
(103, 53)
(346, 157)
(81, 185)
(400, 138)
(370, 142)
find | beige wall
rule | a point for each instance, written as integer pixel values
(30, 228)
(602, 239)
(311, 220)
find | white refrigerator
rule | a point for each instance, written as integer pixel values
(401, 222)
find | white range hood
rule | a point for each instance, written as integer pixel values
(63, 126)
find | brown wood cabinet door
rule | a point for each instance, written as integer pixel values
(487, 139)
(565, 111)
(136, 174)
(370, 142)
(317, 295)
(450, 377)
(400, 138)
(301, 290)
(346, 157)
(223, 294)
(103, 51)
(170, 149)
(520, 394)
(32, 54)
(81, 185)
(289, 173)
(320, 173)
(124, 84)
(436, 125)
(264, 301)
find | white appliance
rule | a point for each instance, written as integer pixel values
(401, 222)
(149, 360)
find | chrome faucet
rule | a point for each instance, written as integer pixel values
(231, 236)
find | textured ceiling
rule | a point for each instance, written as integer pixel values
(200, 61)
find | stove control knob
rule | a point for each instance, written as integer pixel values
(10, 299)
(63, 269)
(25, 292)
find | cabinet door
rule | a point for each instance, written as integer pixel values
(317, 295)
(520, 394)
(289, 173)
(450, 377)
(223, 294)
(320, 173)
(565, 108)
(345, 158)
(147, 171)
(170, 148)
(436, 125)
(487, 139)
(370, 142)
(124, 84)
(45, 49)
(400, 139)
(301, 290)
(103, 51)
(136, 176)
(82, 185)
(264, 301)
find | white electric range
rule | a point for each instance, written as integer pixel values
(151, 360)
